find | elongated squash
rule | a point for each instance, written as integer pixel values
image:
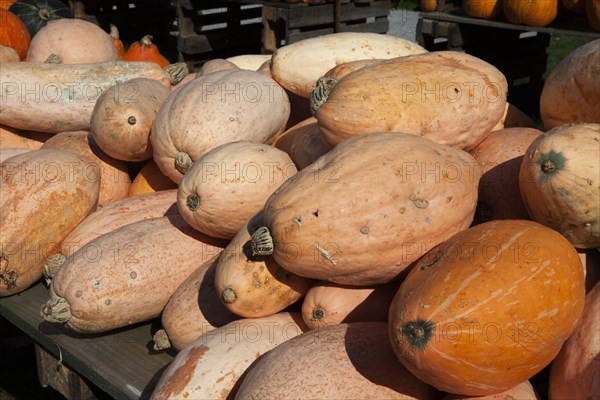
(328, 303)
(252, 286)
(150, 179)
(222, 107)
(367, 209)
(101, 287)
(489, 308)
(467, 94)
(229, 184)
(303, 142)
(14, 138)
(575, 372)
(194, 309)
(45, 195)
(345, 361)
(211, 366)
(249, 61)
(61, 97)
(114, 176)
(298, 66)
(106, 219)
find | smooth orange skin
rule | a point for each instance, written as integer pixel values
(150, 179)
(503, 297)
(485, 9)
(531, 12)
(145, 50)
(14, 33)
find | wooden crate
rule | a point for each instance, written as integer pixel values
(289, 25)
(136, 18)
(520, 55)
(217, 29)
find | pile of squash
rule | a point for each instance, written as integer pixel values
(351, 217)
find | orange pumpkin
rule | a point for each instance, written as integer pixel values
(145, 50)
(14, 33)
(486, 9)
(428, 5)
(592, 13)
(5, 4)
(489, 308)
(114, 35)
(531, 12)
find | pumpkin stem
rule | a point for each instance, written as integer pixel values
(161, 340)
(44, 14)
(183, 162)
(147, 40)
(262, 242)
(53, 263)
(114, 32)
(418, 333)
(228, 296)
(177, 72)
(548, 166)
(317, 314)
(193, 201)
(321, 92)
(56, 309)
(53, 59)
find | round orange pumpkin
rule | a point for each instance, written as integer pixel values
(531, 12)
(114, 35)
(5, 4)
(559, 182)
(145, 50)
(489, 308)
(485, 9)
(14, 33)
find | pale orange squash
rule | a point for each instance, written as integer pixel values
(150, 179)
(339, 220)
(14, 138)
(345, 361)
(214, 65)
(75, 41)
(328, 303)
(114, 177)
(500, 155)
(8, 152)
(457, 316)
(514, 118)
(38, 210)
(229, 184)
(229, 106)
(213, 365)
(377, 98)
(123, 115)
(251, 286)
(575, 371)
(101, 291)
(559, 182)
(303, 142)
(194, 309)
(8, 54)
(569, 95)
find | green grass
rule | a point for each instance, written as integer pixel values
(560, 46)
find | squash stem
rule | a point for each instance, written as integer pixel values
(56, 309)
(262, 242)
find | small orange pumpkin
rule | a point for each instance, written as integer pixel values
(145, 50)
(531, 12)
(5, 4)
(14, 33)
(485, 9)
(114, 35)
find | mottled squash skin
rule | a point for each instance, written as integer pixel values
(467, 94)
(339, 361)
(367, 209)
(559, 180)
(45, 195)
(489, 308)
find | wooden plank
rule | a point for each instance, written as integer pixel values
(380, 26)
(574, 26)
(324, 14)
(121, 363)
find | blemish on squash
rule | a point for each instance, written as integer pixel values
(364, 230)
(298, 220)
(255, 280)
(108, 302)
(132, 120)
(316, 213)
(97, 282)
(133, 274)
(184, 373)
(419, 203)
(8, 276)
(78, 293)
(228, 296)
(402, 210)
(448, 199)
(317, 314)
(325, 254)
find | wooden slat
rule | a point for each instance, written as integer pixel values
(120, 363)
(574, 25)
(324, 14)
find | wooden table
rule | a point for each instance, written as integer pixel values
(121, 363)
